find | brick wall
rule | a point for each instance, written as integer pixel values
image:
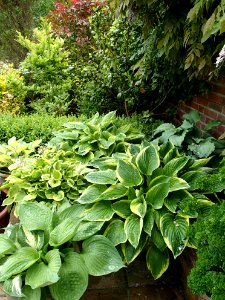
(211, 106)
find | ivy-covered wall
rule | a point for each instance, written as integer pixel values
(211, 106)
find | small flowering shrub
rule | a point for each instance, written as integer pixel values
(12, 90)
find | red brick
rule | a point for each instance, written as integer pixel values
(195, 105)
(211, 113)
(215, 106)
(202, 101)
(221, 117)
(215, 97)
(201, 109)
(219, 88)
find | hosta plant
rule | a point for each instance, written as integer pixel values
(38, 257)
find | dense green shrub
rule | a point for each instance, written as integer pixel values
(47, 71)
(30, 127)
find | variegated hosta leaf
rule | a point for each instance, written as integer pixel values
(35, 239)
(30, 293)
(115, 232)
(133, 228)
(122, 208)
(102, 177)
(174, 230)
(148, 160)
(6, 246)
(157, 261)
(63, 232)
(100, 256)
(173, 153)
(73, 279)
(159, 179)
(92, 194)
(18, 262)
(74, 211)
(156, 195)
(178, 184)
(100, 211)
(114, 192)
(86, 229)
(130, 253)
(171, 204)
(35, 216)
(13, 286)
(128, 174)
(139, 206)
(175, 165)
(149, 220)
(44, 273)
(198, 163)
(157, 238)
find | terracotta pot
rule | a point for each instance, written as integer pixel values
(4, 213)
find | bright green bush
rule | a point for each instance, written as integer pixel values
(30, 127)
(47, 71)
(12, 90)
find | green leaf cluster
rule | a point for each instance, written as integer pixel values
(37, 257)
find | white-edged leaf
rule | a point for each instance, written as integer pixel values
(149, 220)
(92, 194)
(133, 228)
(157, 261)
(13, 286)
(114, 192)
(100, 256)
(139, 207)
(7, 246)
(128, 174)
(122, 208)
(178, 184)
(156, 194)
(148, 160)
(102, 177)
(174, 230)
(130, 253)
(100, 211)
(175, 165)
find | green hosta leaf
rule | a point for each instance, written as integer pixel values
(198, 163)
(44, 273)
(31, 294)
(102, 177)
(100, 256)
(157, 261)
(73, 279)
(13, 287)
(35, 216)
(7, 246)
(177, 140)
(35, 239)
(100, 211)
(178, 184)
(115, 232)
(173, 153)
(75, 211)
(174, 166)
(63, 232)
(157, 239)
(171, 204)
(130, 253)
(133, 228)
(108, 118)
(148, 160)
(159, 179)
(156, 194)
(139, 207)
(174, 230)
(122, 208)
(114, 192)
(86, 229)
(149, 220)
(128, 174)
(18, 262)
(92, 194)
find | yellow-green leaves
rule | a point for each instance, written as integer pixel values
(157, 261)
(174, 230)
(148, 160)
(133, 228)
(102, 177)
(128, 174)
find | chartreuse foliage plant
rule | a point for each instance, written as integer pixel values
(12, 90)
(37, 257)
(135, 194)
(208, 275)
